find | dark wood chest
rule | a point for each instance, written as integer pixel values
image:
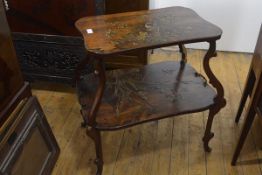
(48, 45)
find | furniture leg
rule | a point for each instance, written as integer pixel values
(95, 135)
(90, 117)
(249, 119)
(182, 50)
(208, 134)
(247, 91)
(219, 100)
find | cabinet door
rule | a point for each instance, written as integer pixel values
(10, 76)
(31, 147)
(119, 6)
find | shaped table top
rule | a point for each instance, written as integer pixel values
(112, 34)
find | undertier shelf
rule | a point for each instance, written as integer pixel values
(138, 95)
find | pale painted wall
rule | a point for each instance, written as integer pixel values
(239, 19)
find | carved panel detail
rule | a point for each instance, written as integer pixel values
(49, 56)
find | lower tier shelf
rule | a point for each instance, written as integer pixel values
(138, 95)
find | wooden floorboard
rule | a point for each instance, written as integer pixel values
(171, 146)
(225, 71)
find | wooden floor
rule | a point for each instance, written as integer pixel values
(167, 147)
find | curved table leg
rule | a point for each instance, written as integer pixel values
(182, 50)
(90, 118)
(219, 100)
(95, 135)
(208, 134)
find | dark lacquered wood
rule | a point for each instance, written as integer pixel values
(156, 91)
(145, 29)
(95, 135)
(123, 98)
(253, 88)
(10, 75)
(183, 51)
(11, 80)
(53, 17)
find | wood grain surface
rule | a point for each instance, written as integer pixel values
(144, 29)
(134, 96)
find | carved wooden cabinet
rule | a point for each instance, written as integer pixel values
(27, 145)
(47, 43)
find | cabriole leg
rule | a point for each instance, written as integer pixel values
(219, 100)
(89, 112)
(208, 134)
(95, 135)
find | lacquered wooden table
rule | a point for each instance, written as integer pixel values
(119, 99)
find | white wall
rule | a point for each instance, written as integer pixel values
(240, 20)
